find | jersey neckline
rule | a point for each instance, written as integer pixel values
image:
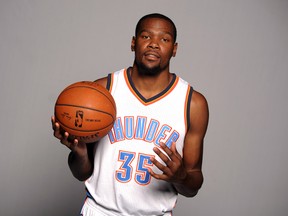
(155, 98)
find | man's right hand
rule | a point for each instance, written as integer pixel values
(73, 144)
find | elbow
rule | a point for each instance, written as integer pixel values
(194, 189)
(191, 194)
(82, 177)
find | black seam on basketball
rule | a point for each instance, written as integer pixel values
(93, 89)
(71, 105)
(74, 129)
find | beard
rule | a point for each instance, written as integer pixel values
(148, 71)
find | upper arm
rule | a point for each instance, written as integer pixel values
(102, 81)
(193, 143)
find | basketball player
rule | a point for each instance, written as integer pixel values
(154, 150)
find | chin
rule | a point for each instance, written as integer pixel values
(148, 71)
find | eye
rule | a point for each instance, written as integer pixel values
(145, 36)
(165, 40)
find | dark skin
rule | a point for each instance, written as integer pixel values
(154, 47)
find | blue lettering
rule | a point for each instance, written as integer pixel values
(162, 134)
(173, 138)
(118, 130)
(111, 137)
(140, 127)
(129, 127)
(152, 129)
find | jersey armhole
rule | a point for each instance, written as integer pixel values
(188, 103)
(109, 82)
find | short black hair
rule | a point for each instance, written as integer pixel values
(156, 15)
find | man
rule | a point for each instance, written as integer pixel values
(154, 150)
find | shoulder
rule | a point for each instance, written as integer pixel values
(106, 81)
(198, 100)
(199, 111)
(102, 81)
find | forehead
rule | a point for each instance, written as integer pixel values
(156, 24)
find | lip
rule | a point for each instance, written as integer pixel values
(151, 54)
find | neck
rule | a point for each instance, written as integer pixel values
(150, 85)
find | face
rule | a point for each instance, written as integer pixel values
(154, 46)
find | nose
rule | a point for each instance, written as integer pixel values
(153, 44)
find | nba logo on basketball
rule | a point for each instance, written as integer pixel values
(79, 118)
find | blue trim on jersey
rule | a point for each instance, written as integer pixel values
(88, 195)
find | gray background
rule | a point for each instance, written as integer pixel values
(234, 52)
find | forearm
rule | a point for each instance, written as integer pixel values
(190, 185)
(80, 166)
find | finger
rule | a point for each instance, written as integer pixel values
(55, 125)
(160, 176)
(57, 131)
(166, 149)
(174, 149)
(64, 138)
(157, 176)
(172, 165)
(69, 141)
(163, 156)
(168, 157)
(165, 169)
(53, 122)
(172, 153)
(74, 144)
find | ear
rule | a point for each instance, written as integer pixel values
(133, 44)
(175, 49)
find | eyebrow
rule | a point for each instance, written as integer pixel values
(164, 32)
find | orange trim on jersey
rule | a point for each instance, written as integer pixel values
(146, 103)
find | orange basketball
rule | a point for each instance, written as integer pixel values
(86, 110)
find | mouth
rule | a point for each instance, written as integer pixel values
(151, 55)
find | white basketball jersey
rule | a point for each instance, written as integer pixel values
(120, 183)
